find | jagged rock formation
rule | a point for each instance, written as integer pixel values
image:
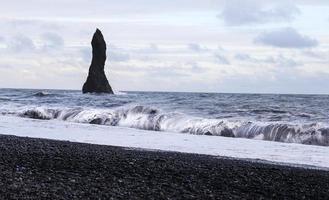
(96, 80)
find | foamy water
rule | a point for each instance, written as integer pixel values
(282, 118)
(260, 150)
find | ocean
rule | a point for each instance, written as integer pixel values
(283, 118)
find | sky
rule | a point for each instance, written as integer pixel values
(234, 46)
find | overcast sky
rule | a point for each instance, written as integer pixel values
(256, 46)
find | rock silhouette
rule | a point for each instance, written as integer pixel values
(96, 81)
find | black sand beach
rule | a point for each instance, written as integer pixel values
(47, 169)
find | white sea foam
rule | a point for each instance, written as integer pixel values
(167, 141)
(120, 93)
(149, 118)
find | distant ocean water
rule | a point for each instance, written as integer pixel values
(274, 117)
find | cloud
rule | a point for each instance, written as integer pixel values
(195, 67)
(116, 56)
(314, 54)
(237, 12)
(282, 61)
(196, 47)
(285, 38)
(222, 59)
(278, 61)
(85, 54)
(154, 48)
(242, 56)
(21, 43)
(113, 55)
(2, 42)
(134, 30)
(165, 72)
(150, 49)
(52, 41)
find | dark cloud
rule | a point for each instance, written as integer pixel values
(286, 38)
(237, 12)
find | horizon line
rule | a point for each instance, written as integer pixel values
(162, 91)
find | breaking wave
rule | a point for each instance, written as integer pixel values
(41, 94)
(148, 118)
(44, 94)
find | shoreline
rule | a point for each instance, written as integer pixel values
(251, 160)
(42, 168)
(290, 153)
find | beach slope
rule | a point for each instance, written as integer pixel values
(49, 169)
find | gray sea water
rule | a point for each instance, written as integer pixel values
(275, 117)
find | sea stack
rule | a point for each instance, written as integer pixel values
(96, 81)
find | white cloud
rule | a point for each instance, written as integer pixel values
(196, 47)
(20, 43)
(116, 56)
(282, 61)
(316, 54)
(113, 55)
(244, 12)
(150, 49)
(165, 72)
(286, 38)
(85, 54)
(242, 56)
(2, 42)
(222, 59)
(52, 41)
(195, 67)
(279, 60)
(24, 44)
(151, 39)
(154, 48)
